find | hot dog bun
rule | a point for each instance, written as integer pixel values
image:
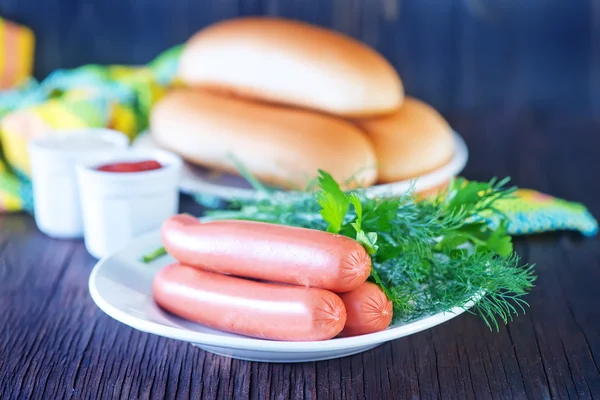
(293, 63)
(280, 146)
(413, 141)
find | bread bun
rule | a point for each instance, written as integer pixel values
(413, 141)
(280, 146)
(292, 63)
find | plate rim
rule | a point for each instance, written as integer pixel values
(249, 343)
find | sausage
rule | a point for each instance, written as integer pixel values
(368, 310)
(270, 252)
(242, 306)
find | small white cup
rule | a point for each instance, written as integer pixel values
(119, 206)
(52, 159)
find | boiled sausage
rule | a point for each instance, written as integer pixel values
(368, 310)
(270, 252)
(257, 309)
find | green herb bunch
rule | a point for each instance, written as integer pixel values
(428, 256)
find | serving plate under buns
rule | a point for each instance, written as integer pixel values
(121, 285)
(212, 185)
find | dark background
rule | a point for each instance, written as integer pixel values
(456, 54)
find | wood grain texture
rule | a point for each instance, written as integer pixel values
(55, 343)
(455, 54)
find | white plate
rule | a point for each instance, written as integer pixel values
(121, 285)
(197, 180)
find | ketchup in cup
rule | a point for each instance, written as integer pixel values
(137, 166)
(125, 194)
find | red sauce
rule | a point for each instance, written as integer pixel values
(138, 166)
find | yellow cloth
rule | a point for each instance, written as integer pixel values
(117, 97)
(16, 57)
(122, 105)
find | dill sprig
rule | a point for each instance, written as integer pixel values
(423, 287)
(428, 256)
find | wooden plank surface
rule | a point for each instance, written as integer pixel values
(55, 343)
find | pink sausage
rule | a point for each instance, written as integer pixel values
(236, 305)
(270, 252)
(368, 310)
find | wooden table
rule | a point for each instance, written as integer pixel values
(55, 343)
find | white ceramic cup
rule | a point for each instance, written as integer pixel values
(117, 207)
(52, 159)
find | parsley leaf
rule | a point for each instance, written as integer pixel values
(474, 202)
(500, 242)
(368, 240)
(379, 216)
(466, 194)
(357, 209)
(333, 201)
